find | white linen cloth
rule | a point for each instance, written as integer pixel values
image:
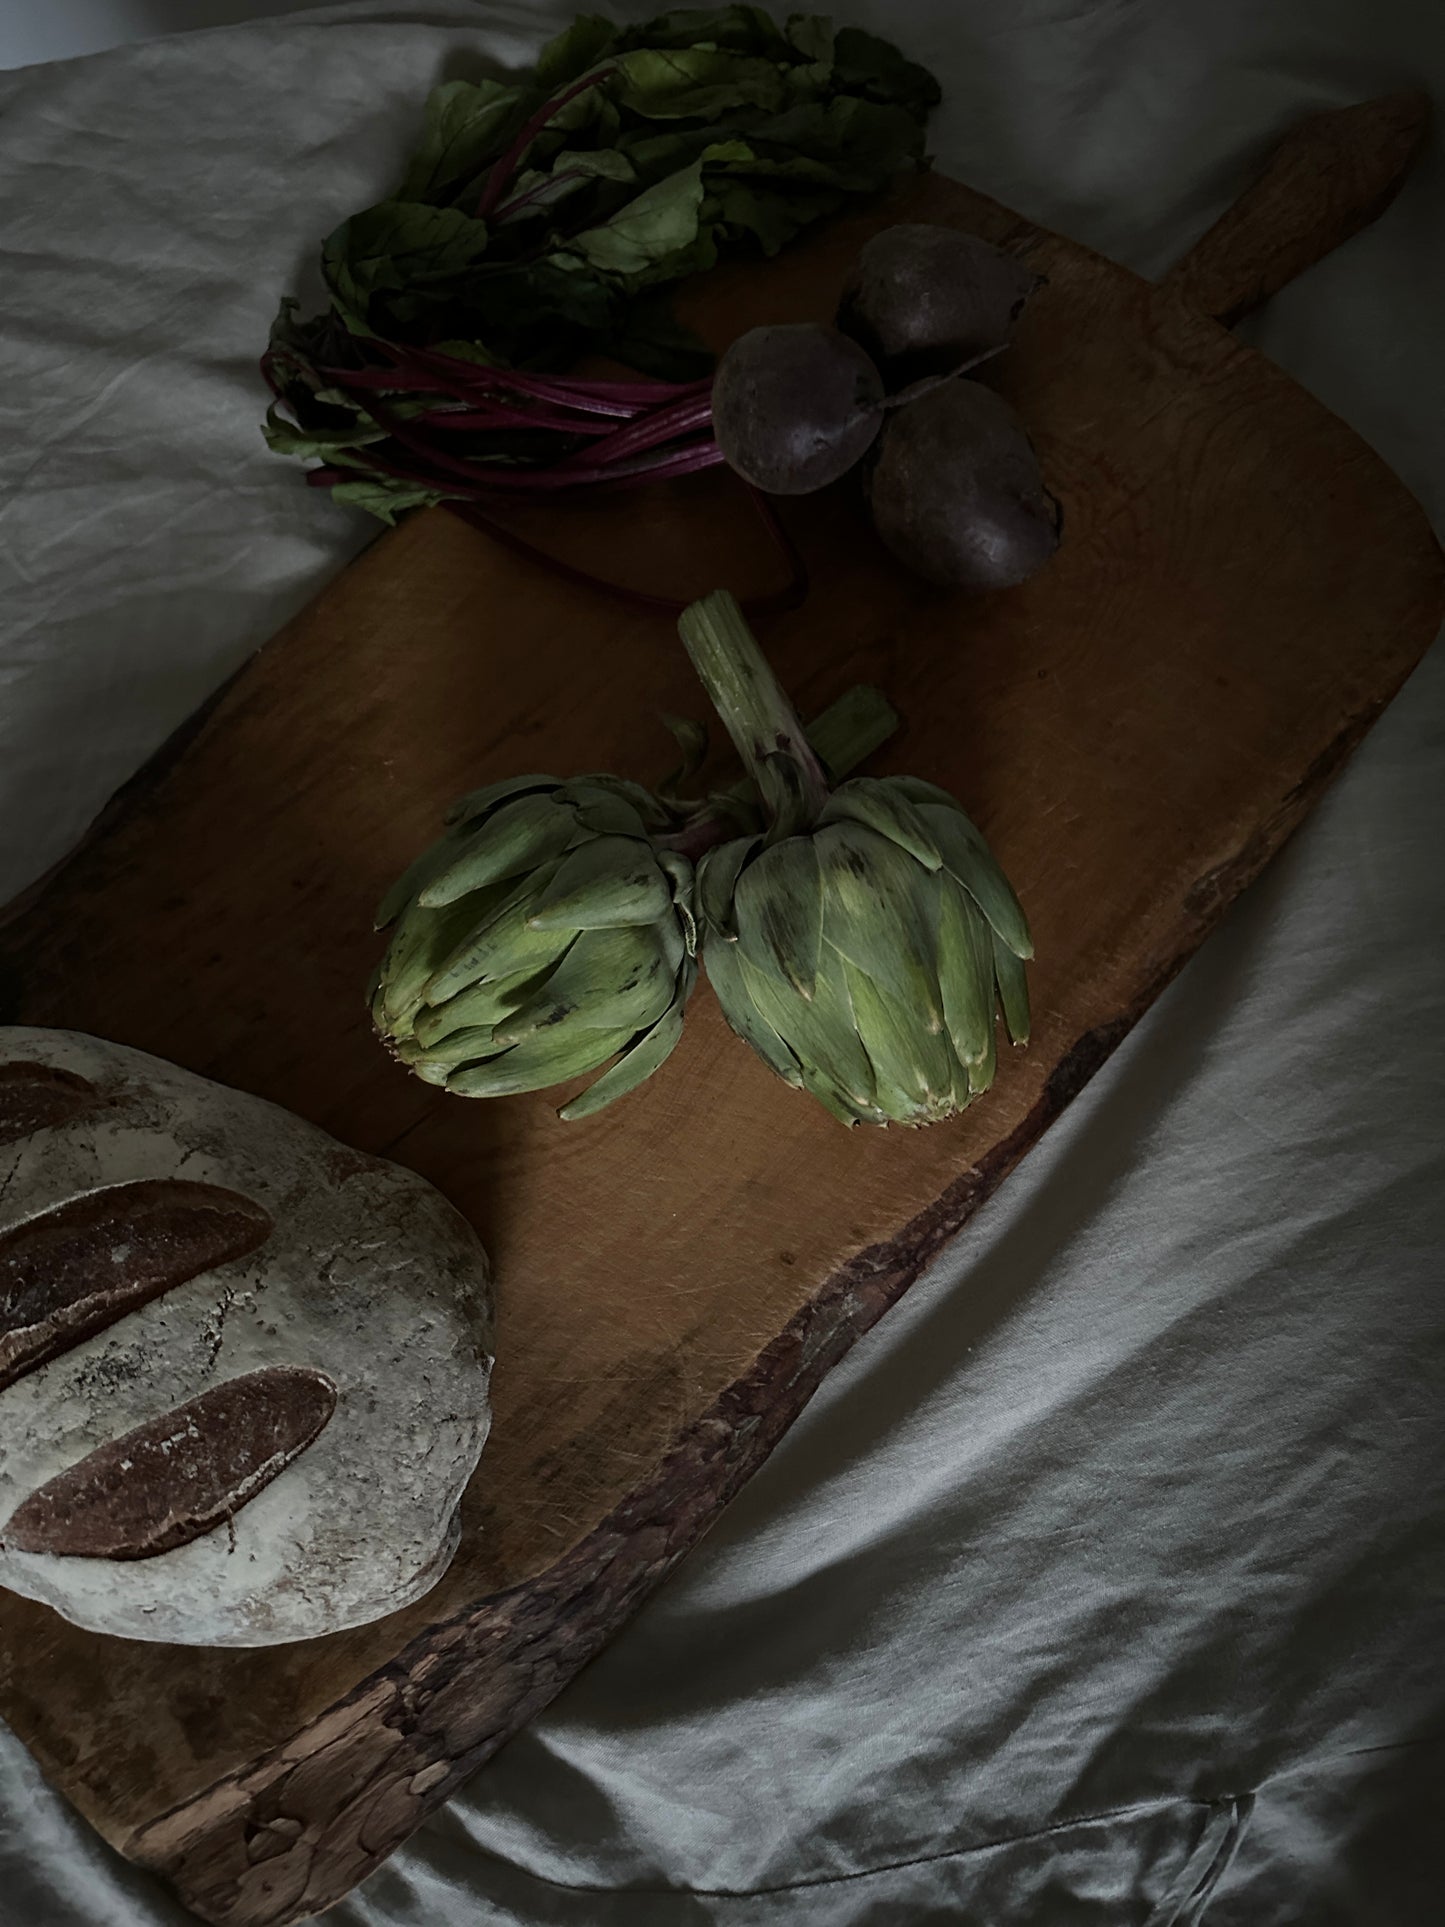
(1103, 1582)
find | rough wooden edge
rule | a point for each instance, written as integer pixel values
(1331, 175)
(292, 1834)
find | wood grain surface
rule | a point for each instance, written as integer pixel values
(1241, 588)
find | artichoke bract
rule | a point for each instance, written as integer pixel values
(863, 943)
(543, 934)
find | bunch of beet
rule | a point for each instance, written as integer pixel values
(948, 471)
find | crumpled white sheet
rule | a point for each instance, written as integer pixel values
(1103, 1583)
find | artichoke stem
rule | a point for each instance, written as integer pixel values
(755, 711)
(846, 734)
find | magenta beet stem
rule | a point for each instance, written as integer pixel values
(565, 413)
(475, 410)
(427, 368)
(591, 398)
(679, 460)
(520, 201)
(565, 388)
(501, 172)
(423, 366)
(662, 425)
(495, 416)
(503, 485)
(638, 391)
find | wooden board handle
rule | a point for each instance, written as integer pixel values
(1330, 176)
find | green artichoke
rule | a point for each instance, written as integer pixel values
(543, 934)
(862, 944)
(551, 927)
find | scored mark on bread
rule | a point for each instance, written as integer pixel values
(35, 1097)
(179, 1476)
(73, 1270)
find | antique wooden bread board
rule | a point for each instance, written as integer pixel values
(1242, 587)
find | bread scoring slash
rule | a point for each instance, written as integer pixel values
(243, 1369)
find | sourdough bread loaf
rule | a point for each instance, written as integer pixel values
(243, 1369)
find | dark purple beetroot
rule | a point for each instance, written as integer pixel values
(923, 300)
(794, 406)
(955, 490)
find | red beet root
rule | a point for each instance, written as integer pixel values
(956, 494)
(795, 406)
(923, 300)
